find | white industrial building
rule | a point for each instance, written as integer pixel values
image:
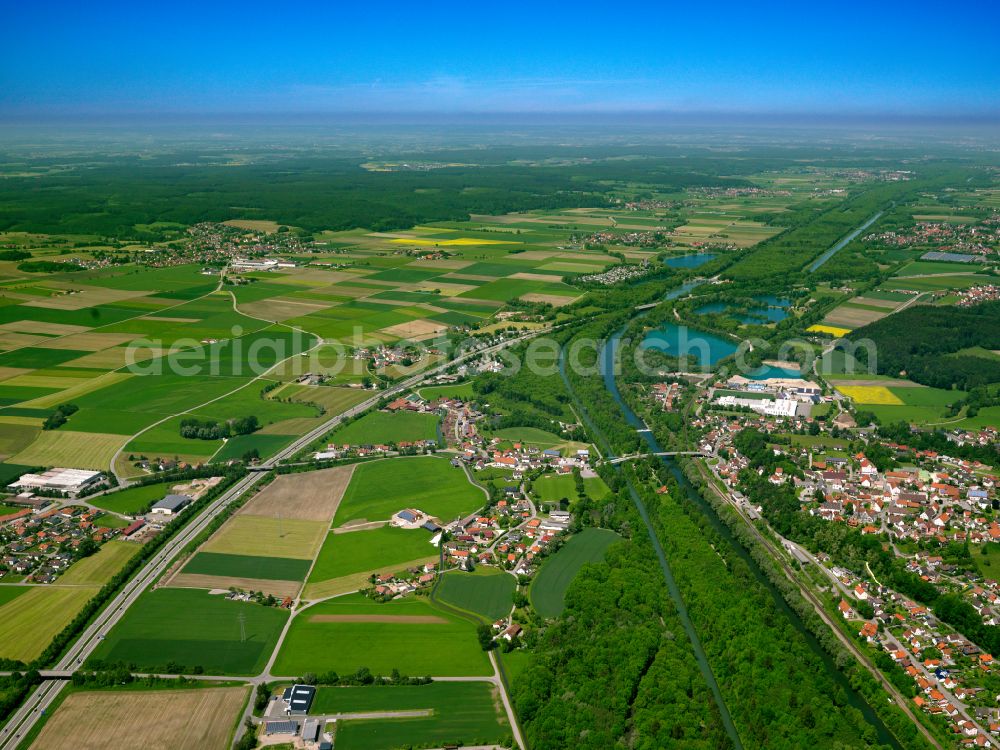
(780, 407)
(69, 481)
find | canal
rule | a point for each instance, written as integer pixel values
(843, 243)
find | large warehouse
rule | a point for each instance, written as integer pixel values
(70, 481)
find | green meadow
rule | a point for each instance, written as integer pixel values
(463, 713)
(429, 483)
(381, 549)
(486, 592)
(188, 627)
(548, 589)
(409, 634)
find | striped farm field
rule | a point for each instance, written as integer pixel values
(334, 400)
(82, 387)
(411, 635)
(200, 719)
(193, 628)
(270, 537)
(101, 567)
(32, 620)
(278, 589)
(481, 718)
(77, 450)
(870, 394)
(248, 566)
(307, 496)
(457, 242)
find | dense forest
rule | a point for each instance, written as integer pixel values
(616, 669)
(323, 192)
(925, 342)
(778, 690)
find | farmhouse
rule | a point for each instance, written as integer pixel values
(281, 726)
(310, 730)
(170, 505)
(299, 699)
(70, 481)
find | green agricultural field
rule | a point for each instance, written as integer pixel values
(428, 483)
(271, 537)
(530, 435)
(380, 427)
(548, 590)
(10, 593)
(249, 400)
(78, 450)
(247, 566)
(924, 396)
(239, 446)
(987, 417)
(108, 521)
(334, 400)
(373, 550)
(100, 567)
(411, 635)
(932, 267)
(29, 622)
(487, 592)
(459, 390)
(188, 627)
(934, 283)
(165, 441)
(6, 510)
(159, 395)
(107, 421)
(481, 720)
(551, 488)
(889, 296)
(132, 500)
(514, 662)
(921, 405)
(508, 289)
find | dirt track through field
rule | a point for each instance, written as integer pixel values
(154, 720)
(308, 496)
(396, 619)
(280, 589)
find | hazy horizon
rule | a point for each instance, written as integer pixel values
(119, 59)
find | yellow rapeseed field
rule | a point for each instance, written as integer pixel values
(457, 242)
(870, 394)
(832, 330)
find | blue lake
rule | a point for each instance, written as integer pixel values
(706, 348)
(712, 307)
(683, 289)
(764, 315)
(774, 312)
(689, 261)
(769, 371)
(773, 301)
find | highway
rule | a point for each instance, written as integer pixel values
(41, 699)
(43, 696)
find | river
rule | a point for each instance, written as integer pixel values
(843, 243)
(607, 358)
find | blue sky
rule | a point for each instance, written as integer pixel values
(216, 57)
